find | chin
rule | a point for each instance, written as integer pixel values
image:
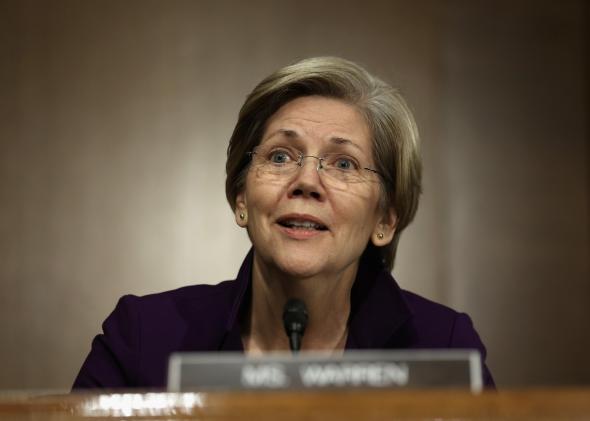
(302, 265)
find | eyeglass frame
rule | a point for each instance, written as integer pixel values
(301, 158)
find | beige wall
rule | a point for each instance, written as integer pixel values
(115, 119)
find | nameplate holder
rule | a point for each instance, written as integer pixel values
(427, 369)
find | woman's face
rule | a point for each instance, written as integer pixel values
(302, 223)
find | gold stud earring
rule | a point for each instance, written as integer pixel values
(242, 216)
(380, 236)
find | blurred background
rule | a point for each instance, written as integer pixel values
(115, 117)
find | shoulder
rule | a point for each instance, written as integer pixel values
(196, 292)
(201, 295)
(436, 325)
(141, 332)
(425, 309)
(191, 292)
(171, 313)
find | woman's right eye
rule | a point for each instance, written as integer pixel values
(279, 157)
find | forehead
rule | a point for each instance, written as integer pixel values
(320, 119)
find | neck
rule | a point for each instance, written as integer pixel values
(327, 297)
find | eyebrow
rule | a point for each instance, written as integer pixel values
(292, 134)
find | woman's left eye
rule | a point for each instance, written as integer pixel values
(279, 157)
(344, 163)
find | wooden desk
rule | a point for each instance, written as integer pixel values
(560, 404)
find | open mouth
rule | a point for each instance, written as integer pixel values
(302, 224)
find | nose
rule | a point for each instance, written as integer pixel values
(307, 182)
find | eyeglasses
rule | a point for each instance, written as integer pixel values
(339, 170)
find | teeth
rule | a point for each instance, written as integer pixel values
(302, 224)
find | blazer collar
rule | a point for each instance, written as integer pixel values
(242, 291)
(378, 307)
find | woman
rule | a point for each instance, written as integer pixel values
(323, 171)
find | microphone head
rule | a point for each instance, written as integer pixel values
(295, 316)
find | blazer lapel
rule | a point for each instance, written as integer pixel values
(378, 308)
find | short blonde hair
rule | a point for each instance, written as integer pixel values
(394, 132)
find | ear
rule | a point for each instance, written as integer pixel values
(385, 228)
(241, 211)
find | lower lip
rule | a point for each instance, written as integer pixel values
(299, 233)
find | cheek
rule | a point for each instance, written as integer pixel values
(262, 198)
(361, 209)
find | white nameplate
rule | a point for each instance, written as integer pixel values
(354, 369)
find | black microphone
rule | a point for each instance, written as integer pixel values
(295, 321)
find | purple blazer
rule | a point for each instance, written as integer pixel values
(141, 333)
